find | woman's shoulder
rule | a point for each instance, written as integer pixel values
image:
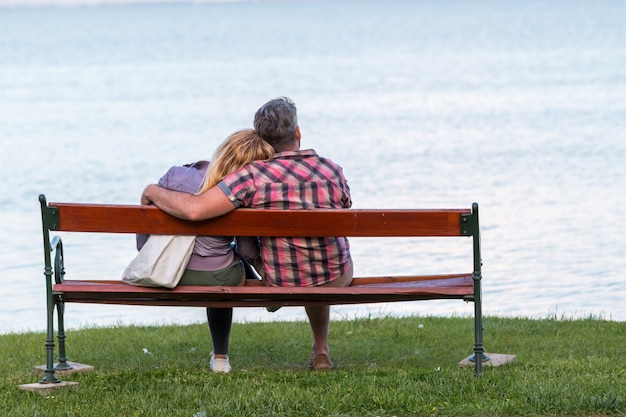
(187, 178)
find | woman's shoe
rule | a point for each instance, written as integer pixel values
(220, 365)
(320, 362)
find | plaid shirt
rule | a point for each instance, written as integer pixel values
(295, 180)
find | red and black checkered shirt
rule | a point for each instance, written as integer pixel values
(295, 180)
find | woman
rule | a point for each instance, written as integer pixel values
(215, 260)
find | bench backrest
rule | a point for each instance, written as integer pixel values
(105, 218)
(71, 217)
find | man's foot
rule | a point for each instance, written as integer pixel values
(320, 362)
(220, 365)
(272, 309)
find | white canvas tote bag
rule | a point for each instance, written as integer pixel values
(161, 262)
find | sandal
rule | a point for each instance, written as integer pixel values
(320, 362)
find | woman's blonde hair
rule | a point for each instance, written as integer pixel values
(237, 151)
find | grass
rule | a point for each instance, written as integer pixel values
(384, 367)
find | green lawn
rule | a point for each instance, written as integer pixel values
(384, 367)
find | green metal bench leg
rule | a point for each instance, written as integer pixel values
(49, 377)
(479, 350)
(62, 365)
(48, 218)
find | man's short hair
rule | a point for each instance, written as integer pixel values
(276, 122)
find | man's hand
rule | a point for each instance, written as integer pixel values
(145, 199)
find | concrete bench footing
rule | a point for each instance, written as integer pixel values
(495, 359)
(75, 367)
(45, 389)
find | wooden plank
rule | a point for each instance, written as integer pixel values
(116, 287)
(255, 222)
(257, 302)
(370, 290)
(357, 281)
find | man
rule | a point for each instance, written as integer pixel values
(293, 179)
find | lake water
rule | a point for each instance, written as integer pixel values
(519, 106)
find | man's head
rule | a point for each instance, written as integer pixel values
(277, 123)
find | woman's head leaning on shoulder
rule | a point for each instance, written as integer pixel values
(235, 152)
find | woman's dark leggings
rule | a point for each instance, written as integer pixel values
(220, 321)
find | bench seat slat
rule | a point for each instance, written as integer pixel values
(378, 289)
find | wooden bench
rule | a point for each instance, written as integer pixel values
(99, 218)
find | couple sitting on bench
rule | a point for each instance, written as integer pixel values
(262, 168)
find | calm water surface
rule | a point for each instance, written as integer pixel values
(520, 107)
